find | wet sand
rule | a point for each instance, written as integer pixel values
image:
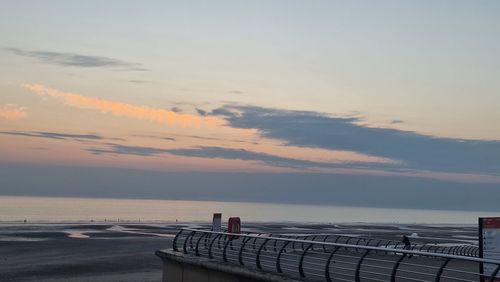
(125, 251)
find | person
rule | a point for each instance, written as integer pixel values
(407, 243)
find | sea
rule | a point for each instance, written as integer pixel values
(59, 209)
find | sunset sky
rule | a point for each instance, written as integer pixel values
(354, 88)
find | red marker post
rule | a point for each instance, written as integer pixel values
(234, 226)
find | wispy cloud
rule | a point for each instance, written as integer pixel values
(128, 150)
(396, 121)
(155, 137)
(411, 149)
(12, 112)
(125, 110)
(76, 60)
(226, 153)
(268, 159)
(54, 135)
(197, 137)
(201, 112)
(138, 81)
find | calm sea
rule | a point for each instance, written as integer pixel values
(45, 209)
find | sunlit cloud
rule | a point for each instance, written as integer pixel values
(126, 110)
(12, 112)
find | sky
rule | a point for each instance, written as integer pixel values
(347, 94)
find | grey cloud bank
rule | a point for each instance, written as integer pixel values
(327, 189)
(413, 150)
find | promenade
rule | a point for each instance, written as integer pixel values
(319, 259)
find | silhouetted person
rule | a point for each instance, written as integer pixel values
(407, 243)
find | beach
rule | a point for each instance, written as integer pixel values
(124, 251)
(84, 252)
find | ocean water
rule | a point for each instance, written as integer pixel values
(51, 209)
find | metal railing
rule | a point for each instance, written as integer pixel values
(329, 261)
(455, 249)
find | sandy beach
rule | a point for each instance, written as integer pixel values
(125, 251)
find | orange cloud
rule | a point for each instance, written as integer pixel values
(125, 110)
(12, 112)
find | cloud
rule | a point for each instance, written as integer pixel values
(268, 159)
(154, 137)
(76, 60)
(125, 110)
(54, 135)
(138, 81)
(201, 112)
(396, 121)
(217, 139)
(12, 112)
(128, 150)
(411, 149)
(304, 188)
(224, 153)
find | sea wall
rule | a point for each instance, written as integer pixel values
(179, 267)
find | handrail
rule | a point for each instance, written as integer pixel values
(330, 261)
(350, 245)
(459, 249)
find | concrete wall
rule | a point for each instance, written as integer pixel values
(178, 267)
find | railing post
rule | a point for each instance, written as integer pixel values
(469, 251)
(395, 268)
(358, 266)
(257, 259)
(312, 239)
(218, 241)
(324, 240)
(174, 243)
(327, 265)
(255, 241)
(205, 243)
(240, 254)
(197, 252)
(224, 257)
(305, 239)
(278, 258)
(276, 242)
(301, 263)
(191, 241)
(441, 269)
(210, 255)
(184, 247)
